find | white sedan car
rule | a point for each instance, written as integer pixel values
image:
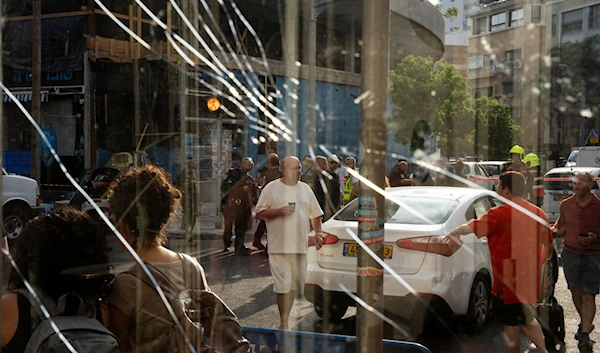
(442, 273)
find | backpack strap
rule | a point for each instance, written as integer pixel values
(46, 301)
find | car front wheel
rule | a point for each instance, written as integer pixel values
(15, 218)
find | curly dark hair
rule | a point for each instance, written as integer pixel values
(49, 244)
(145, 200)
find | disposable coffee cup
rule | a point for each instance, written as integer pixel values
(292, 203)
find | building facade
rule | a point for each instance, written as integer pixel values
(506, 46)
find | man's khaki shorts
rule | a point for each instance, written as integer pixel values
(289, 272)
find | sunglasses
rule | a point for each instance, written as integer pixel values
(587, 175)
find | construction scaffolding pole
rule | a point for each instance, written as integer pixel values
(371, 209)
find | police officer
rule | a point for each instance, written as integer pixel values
(534, 179)
(239, 195)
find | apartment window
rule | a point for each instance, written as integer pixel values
(511, 55)
(554, 25)
(480, 25)
(572, 21)
(536, 14)
(594, 20)
(507, 88)
(498, 21)
(516, 17)
(490, 91)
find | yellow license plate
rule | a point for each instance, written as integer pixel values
(351, 249)
(561, 197)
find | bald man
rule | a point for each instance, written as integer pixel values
(287, 205)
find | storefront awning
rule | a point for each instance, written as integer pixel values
(25, 96)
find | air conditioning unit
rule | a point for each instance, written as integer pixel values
(518, 64)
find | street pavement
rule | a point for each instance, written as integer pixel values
(245, 284)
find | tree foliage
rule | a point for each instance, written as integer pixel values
(568, 86)
(451, 12)
(434, 99)
(495, 131)
(430, 99)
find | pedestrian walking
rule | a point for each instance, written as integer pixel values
(272, 174)
(312, 176)
(580, 222)
(287, 205)
(188, 185)
(518, 246)
(350, 188)
(240, 195)
(332, 183)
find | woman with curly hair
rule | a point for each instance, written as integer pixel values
(141, 203)
(47, 246)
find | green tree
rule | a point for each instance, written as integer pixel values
(451, 12)
(567, 88)
(431, 99)
(495, 130)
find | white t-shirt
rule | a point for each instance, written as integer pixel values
(289, 235)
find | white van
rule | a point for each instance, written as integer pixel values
(588, 156)
(555, 191)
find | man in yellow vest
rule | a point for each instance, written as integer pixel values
(351, 186)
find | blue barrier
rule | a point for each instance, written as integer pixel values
(277, 341)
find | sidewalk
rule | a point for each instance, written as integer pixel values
(205, 228)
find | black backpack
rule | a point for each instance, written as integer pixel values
(208, 322)
(75, 320)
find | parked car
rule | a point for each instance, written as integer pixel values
(456, 277)
(494, 168)
(478, 173)
(447, 277)
(96, 185)
(555, 191)
(20, 202)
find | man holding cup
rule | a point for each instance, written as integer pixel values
(287, 205)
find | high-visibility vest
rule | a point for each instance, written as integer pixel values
(348, 189)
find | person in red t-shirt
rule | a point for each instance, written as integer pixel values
(515, 232)
(579, 218)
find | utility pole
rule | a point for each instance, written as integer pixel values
(36, 63)
(312, 76)
(371, 209)
(290, 52)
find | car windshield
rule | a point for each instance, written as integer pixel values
(435, 210)
(492, 169)
(573, 156)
